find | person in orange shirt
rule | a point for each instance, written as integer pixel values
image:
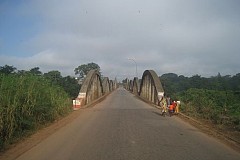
(170, 109)
(174, 103)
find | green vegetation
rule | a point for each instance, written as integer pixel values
(215, 99)
(28, 102)
(31, 99)
(69, 84)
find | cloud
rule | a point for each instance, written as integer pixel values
(190, 37)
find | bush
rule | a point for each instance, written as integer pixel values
(221, 107)
(26, 102)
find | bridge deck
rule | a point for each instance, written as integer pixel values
(123, 127)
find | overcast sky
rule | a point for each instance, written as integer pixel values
(186, 37)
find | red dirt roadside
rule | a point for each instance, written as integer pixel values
(24, 145)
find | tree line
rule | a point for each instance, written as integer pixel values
(173, 83)
(68, 83)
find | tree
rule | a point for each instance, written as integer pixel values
(54, 76)
(7, 69)
(235, 82)
(169, 82)
(22, 72)
(70, 85)
(35, 71)
(83, 69)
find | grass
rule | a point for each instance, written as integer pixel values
(26, 102)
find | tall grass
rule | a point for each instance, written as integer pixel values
(27, 102)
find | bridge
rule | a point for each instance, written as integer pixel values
(93, 88)
(121, 126)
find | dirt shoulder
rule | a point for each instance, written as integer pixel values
(15, 150)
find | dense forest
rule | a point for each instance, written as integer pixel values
(215, 98)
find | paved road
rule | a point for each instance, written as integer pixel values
(124, 128)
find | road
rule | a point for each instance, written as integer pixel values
(122, 127)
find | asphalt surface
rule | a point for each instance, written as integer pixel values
(122, 127)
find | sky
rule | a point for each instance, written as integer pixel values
(186, 37)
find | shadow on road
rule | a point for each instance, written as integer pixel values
(157, 113)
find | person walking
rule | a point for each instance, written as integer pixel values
(164, 107)
(177, 107)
